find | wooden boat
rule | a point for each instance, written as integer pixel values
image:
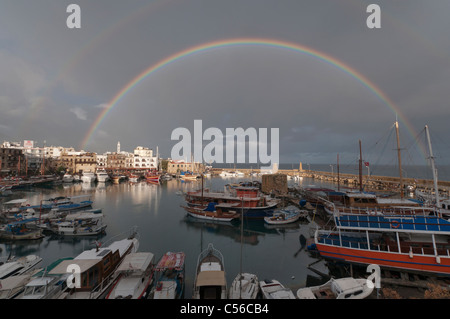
(134, 277)
(273, 289)
(254, 204)
(100, 261)
(343, 288)
(169, 276)
(210, 281)
(212, 212)
(152, 177)
(283, 216)
(244, 286)
(19, 266)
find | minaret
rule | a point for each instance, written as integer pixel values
(118, 147)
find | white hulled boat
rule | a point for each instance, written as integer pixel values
(343, 288)
(273, 289)
(88, 177)
(102, 261)
(102, 176)
(134, 277)
(210, 281)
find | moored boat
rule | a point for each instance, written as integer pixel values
(21, 230)
(273, 289)
(210, 281)
(19, 266)
(102, 176)
(152, 177)
(134, 277)
(419, 252)
(248, 200)
(212, 212)
(283, 216)
(342, 288)
(102, 261)
(244, 286)
(80, 224)
(88, 177)
(68, 178)
(169, 276)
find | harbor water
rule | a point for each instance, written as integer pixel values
(267, 251)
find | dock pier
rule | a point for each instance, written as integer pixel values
(372, 182)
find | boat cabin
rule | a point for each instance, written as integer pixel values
(96, 264)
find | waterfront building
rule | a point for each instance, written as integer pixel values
(178, 166)
(12, 161)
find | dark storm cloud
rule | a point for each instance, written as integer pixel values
(62, 77)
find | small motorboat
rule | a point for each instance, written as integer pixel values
(244, 286)
(343, 288)
(273, 289)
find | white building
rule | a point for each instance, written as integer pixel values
(143, 158)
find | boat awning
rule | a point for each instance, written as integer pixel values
(211, 278)
(136, 261)
(84, 265)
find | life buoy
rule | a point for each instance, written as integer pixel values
(395, 224)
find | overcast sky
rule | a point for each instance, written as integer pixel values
(55, 81)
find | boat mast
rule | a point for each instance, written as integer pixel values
(399, 159)
(435, 178)
(338, 179)
(242, 235)
(360, 168)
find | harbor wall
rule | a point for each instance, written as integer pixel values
(352, 180)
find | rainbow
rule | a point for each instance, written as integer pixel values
(246, 42)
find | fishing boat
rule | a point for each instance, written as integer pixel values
(134, 277)
(80, 224)
(254, 204)
(244, 286)
(88, 177)
(101, 261)
(283, 216)
(169, 276)
(273, 289)
(19, 266)
(21, 230)
(152, 177)
(342, 288)
(210, 281)
(214, 212)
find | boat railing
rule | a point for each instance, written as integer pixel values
(391, 247)
(393, 222)
(131, 233)
(210, 251)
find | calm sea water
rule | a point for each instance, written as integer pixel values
(269, 252)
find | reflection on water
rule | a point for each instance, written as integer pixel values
(268, 251)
